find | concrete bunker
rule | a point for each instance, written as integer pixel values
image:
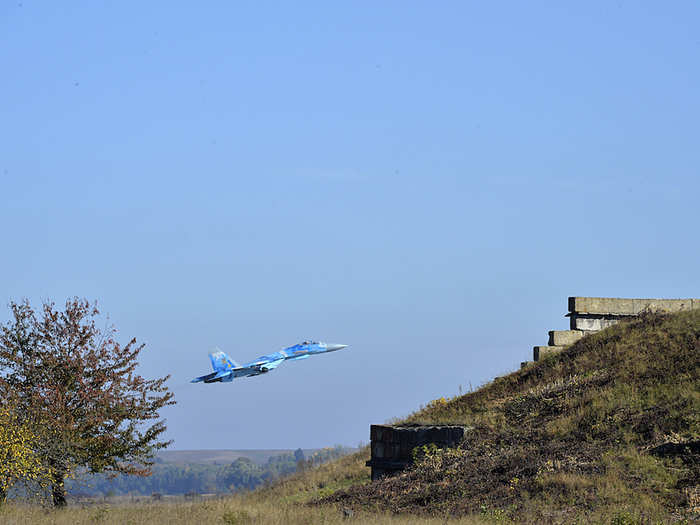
(392, 445)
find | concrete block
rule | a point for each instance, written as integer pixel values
(665, 305)
(538, 352)
(377, 473)
(602, 305)
(564, 337)
(442, 435)
(593, 323)
(393, 452)
(377, 449)
(620, 306)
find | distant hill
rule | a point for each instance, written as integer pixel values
(223, 457)
(607, 431)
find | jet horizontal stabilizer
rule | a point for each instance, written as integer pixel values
(223, 376)
(205, 378)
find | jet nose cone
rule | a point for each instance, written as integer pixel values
(333, 348)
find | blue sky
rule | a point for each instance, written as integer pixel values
(424, 182)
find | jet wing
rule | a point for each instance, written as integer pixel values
(299, 357)
(271, 365)
(258, 367)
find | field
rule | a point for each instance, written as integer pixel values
(288, 502)
(232, 510)
(608, 431)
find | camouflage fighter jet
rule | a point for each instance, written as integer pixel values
(226, 369)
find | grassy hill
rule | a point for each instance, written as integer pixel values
(607, 430)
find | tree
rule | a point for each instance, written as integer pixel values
(242, 473)
(300, 460)
(75, 378)
(19, 460)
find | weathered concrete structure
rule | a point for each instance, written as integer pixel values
(591, 314)
(538, 352)
(564, 337)
(392, 446)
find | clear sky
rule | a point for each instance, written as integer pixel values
(424, 181)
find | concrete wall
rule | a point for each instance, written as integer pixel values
(591, 314)
(616, 306)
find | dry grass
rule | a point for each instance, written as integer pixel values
(320, 481)
(236, 510)
(569, 439)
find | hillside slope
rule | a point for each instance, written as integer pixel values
(608, 429)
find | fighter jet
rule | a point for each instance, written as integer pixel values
(226, 369)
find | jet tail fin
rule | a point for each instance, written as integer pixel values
(221, 362)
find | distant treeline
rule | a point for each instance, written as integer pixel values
(172, 478)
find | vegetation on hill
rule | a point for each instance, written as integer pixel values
(197, 478)
(609, 427)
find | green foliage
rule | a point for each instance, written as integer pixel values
(494, 515)
(236, 517)
(425, 452)
(432, 460)
(169, 478)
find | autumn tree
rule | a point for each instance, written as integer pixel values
(19, 460)
(96, 412)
